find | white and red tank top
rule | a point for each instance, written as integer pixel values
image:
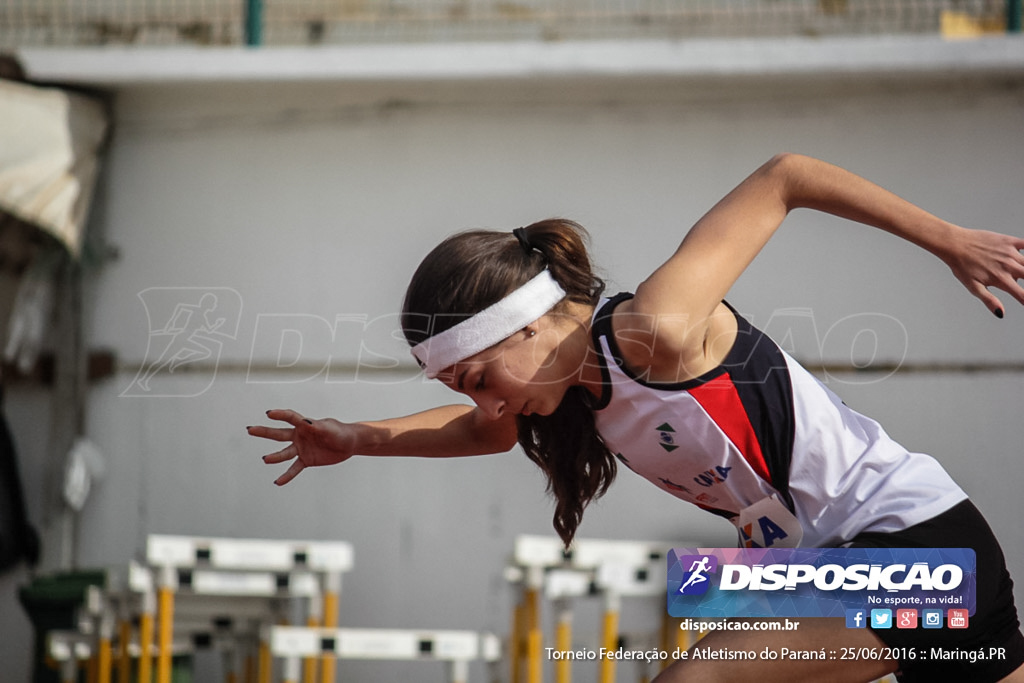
(760, 430)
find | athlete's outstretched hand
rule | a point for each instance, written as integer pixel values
(982, 259)
(313, 442)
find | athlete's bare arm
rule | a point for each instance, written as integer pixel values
(446, 431)
(678, 303)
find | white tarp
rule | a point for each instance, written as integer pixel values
(49, 143)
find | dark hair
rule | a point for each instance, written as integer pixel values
(470, 271)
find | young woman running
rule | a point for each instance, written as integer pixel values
(671, 382)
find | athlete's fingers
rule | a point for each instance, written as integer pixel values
(283, 455)
(289, 416)
(1015, 273)
(290, 473)
(988, 298)
(1012, 287)
(272, 433)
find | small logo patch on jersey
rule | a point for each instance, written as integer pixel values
(674, 486)
(667, 439)
(709, 478)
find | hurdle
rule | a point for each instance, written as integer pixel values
(191, 592)
(72, 651)
(103, 620)
(207, 568)
(457, 649)
(590, 567)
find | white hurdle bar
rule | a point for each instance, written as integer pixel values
(456, 648)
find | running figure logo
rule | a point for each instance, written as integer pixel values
(696, 581)
(188, 326)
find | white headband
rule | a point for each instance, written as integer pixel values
(495, 323)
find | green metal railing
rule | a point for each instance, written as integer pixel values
(320, 22)
(253, 22)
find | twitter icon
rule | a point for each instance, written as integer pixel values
(881, 618)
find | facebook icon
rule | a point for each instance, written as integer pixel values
(856, 618)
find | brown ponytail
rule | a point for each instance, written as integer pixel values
(472, 270)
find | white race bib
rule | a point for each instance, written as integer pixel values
(768, 523)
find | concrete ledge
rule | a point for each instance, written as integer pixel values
(849, 56)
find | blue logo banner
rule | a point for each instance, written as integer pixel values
(818, 582)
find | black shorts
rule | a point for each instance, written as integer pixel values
(994, 624)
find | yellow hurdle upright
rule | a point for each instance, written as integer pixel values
(563, 642)
(685, 639)
(609, 636)
(105, 656)
(517, 637)
(309, 663)
(534, 637)
(266, 665)
(332, 595)
(145, 668)
(165, 631)
(124, 661)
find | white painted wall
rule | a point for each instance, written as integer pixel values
(313, 200)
